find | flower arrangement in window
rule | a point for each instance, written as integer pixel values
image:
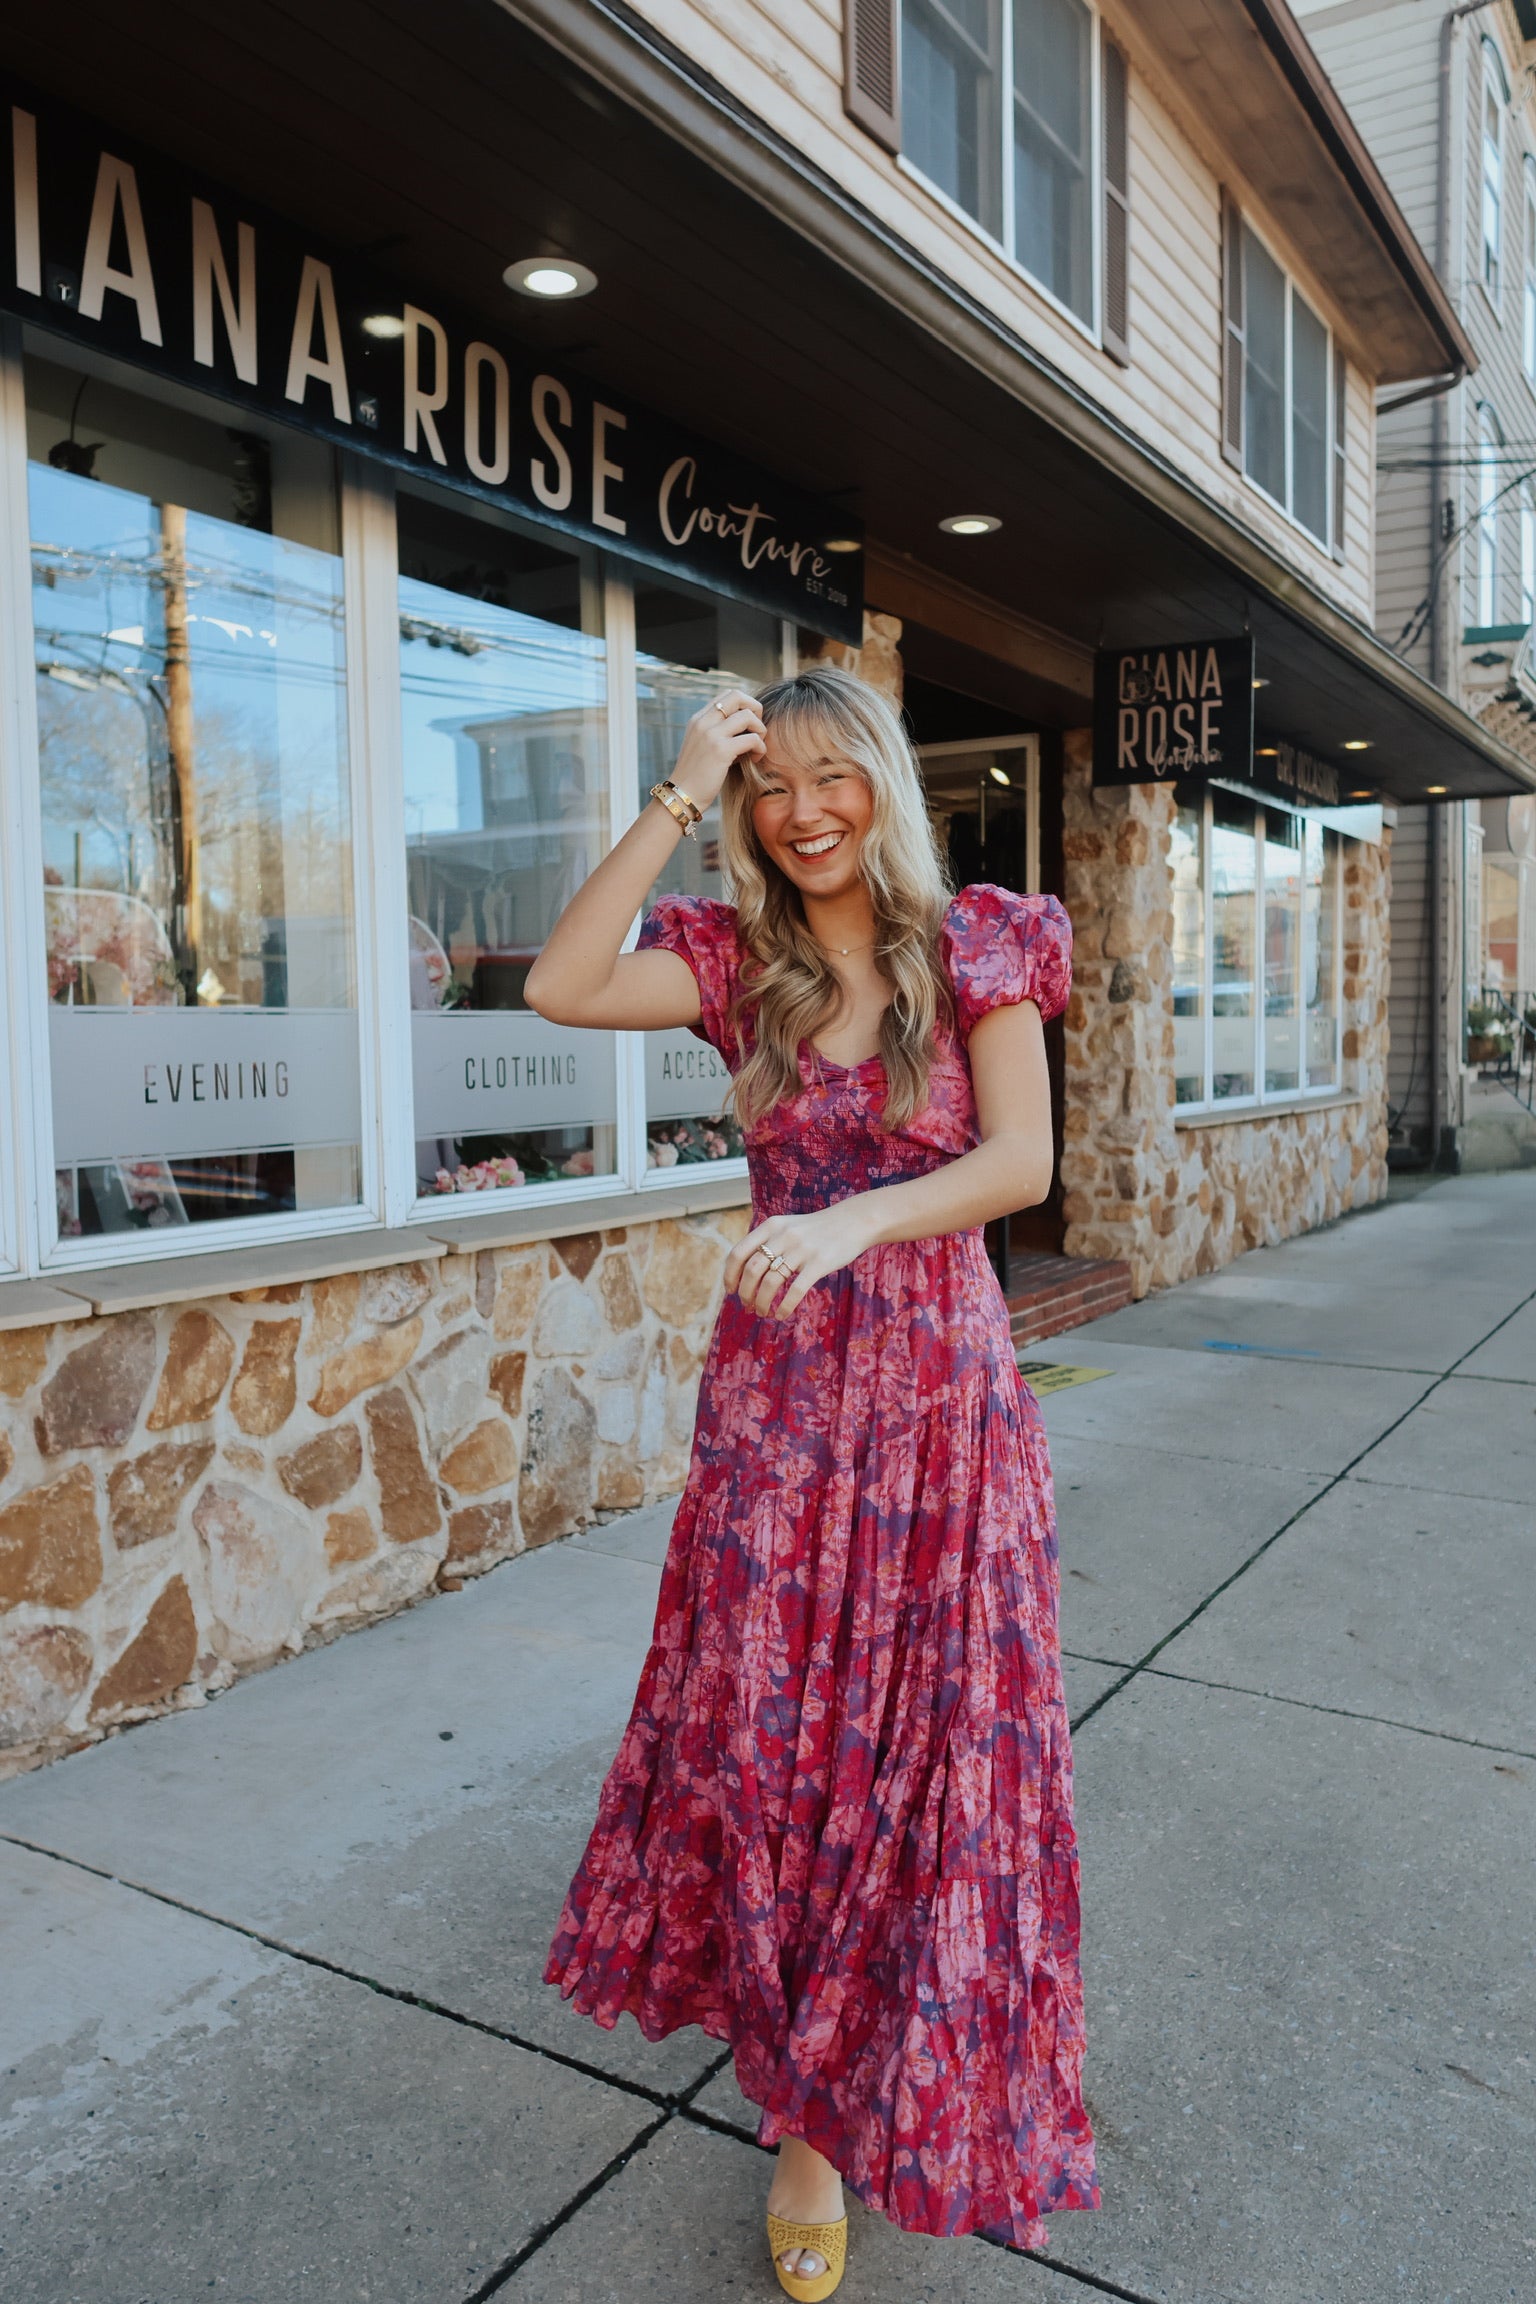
(683, 1143)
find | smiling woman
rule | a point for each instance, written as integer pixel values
(864, 1548)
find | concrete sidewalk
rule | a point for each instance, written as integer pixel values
(271, 2027)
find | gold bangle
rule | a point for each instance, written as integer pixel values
(685, 813)
(688, 801)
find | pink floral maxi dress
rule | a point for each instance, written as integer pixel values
(838, 1832)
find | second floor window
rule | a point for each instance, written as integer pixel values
(1488, 523)
(1281, 388)
(1495, 98)
(997, 110)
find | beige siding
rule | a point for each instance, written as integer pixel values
(1385, 62)
(784, 57)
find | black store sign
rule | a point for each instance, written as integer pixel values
(121, 251)
(1160, 714)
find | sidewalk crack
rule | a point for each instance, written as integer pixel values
(1144, 1662)
(1338, 1711)
(665, 2103)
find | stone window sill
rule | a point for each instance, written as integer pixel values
(136, 1286)
(1254, 1115)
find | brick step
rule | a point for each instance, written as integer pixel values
(1050, 1294)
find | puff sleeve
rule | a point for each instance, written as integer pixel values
(1000, 949)
(701, 931)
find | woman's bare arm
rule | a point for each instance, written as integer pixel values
(582, 976)
(1009, 1169)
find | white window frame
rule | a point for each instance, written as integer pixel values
(1488, 519)
(1293, 289)
(1003, 245)
(1528, 283)
(1494, 85)
(30, 1243)
(1527, 514)
(1263, 1098)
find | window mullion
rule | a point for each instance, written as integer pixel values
(623, 807)
(371, 563)
(1005, 75)
(28, 1202)
(1260, 925)
(1207, 879)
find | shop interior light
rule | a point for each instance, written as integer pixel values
(971, 524)
(1367, 792)
(1266, 751)
(1000, 775)
(1261, 683)
(1357, 743)
(842, 544)
(384, 324)
(554, 278)
(1436, 791)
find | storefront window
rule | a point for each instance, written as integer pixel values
(688, 648)
(1234, 865)
(1267, 882)
(504, 731)
(1320, 972)
(197, 865)
(1188, 955)
(1282, 942)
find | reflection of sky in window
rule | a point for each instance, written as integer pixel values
(489, 665)
(264, 617)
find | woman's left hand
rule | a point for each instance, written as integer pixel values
(772, 1268)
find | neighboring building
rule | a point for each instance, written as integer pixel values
(367, 592)
(1451, 122)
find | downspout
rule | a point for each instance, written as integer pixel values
(1446, 603)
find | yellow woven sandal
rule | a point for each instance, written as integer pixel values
(828, 2240)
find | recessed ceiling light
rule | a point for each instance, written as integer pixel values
(1000, 776)
(1436, 791)
(1366, 793)
(1261, 683)
(553, 278)
(385, 324)
(1267, 751)
(842, 544)
(971, 524)
(1357, 743)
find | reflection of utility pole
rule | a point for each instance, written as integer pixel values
(186, 892)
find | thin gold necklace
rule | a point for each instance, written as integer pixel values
(843, 949)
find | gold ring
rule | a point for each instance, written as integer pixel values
(777, 1264)
(719, 707)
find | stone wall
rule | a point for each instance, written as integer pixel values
(191, 1493)
(877, 660)
(1177, 1200)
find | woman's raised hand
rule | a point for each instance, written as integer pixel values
(727, 729)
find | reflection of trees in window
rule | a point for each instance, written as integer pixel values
(190, 732)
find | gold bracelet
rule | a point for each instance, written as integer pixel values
(686, 813)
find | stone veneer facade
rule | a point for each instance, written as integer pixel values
(189, 1494)
(1177, 1198)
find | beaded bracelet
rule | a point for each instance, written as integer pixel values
(684, 812)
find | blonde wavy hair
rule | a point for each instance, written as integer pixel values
(788, 983)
